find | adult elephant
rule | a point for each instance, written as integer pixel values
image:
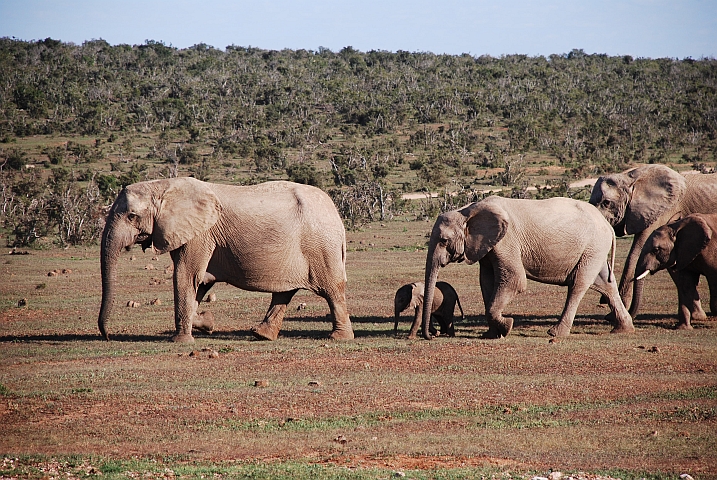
(275, 237)
(639, 200)
(558, 241)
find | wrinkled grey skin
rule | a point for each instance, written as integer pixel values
(275, 237)
(687, 248)
(639, 200)
(559, 241)
(445, 299)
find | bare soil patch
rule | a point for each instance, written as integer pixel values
(594, 401)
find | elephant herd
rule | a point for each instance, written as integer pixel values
(280, 237)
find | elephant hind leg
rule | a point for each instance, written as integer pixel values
(342, 329)
(269, 328)
(619, 315)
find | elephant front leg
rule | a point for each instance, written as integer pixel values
(689, 299)
(269, 328)
(187, 264)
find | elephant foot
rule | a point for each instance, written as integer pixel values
(183, 338)
(265, 331)
(623, 329)
(559, 331)
(499, 328)
(342, 335)
(699, 315)
(204, 322)
(683, 326)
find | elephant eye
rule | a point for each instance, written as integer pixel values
(605, 204)
(131, 216)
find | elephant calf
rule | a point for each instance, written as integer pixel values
(687, 248)
(444, 303)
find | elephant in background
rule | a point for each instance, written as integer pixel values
(687, 248)
(444, 303)
(558, 241)
(639, 200)
(275, 237)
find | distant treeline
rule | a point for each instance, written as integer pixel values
(574, 106)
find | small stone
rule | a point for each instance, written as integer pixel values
(155, 258)
(22, 302)
(156, 301)
(66, 271)
(168, 269)
(132, 258)
(261, 383)
(686, 476)
(52, 273)
(399, 474)
(555, 476)
(654, 349)
(133, 304)
(149, 266)
(301, 306)
(195, 353)
(213, 354)
(341, 439)
(314, 383)
(212, 297)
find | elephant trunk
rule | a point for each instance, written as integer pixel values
(112, 244)
(432, 267)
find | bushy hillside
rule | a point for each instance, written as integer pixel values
(365, 126)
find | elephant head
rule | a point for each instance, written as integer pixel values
(409, 295)
(634, 200)
(466, 235)
(674, 246)
(162, 214)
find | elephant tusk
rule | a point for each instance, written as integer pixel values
(642, 275)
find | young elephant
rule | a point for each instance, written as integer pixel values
(559, 241)
(444, 303)
(687, 248)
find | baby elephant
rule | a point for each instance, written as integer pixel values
(687, 248)
(444, 304)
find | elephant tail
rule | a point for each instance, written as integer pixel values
(460, 307)
(611, 263)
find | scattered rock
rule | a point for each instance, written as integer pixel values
(553, 340)
(686, 476)
(156, 301)
(341, 439)
(132, 258)
(52, 273)
(15, 251)
(301, 306)
(169, 269)
(149, 266)
(399, 474)
(66, 271)
(212, 297)
(156, 281)
(155, 258)
(213, 354)
(555, 476)
(654, 433)
(314, 383)
(22, 302)
(261, 383)
(133, 304)
(195, 353)
(654, 349)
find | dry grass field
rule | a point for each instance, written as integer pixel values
(72, 405)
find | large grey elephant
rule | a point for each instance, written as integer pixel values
(687, 248)
(639, 200)
(558, 241)
(445, 299)
(275, 237)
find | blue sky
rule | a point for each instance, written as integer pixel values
(641, 28)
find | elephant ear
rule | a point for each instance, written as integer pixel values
(187, 208)
(693, 235)
(486, 225)
(657, 189)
